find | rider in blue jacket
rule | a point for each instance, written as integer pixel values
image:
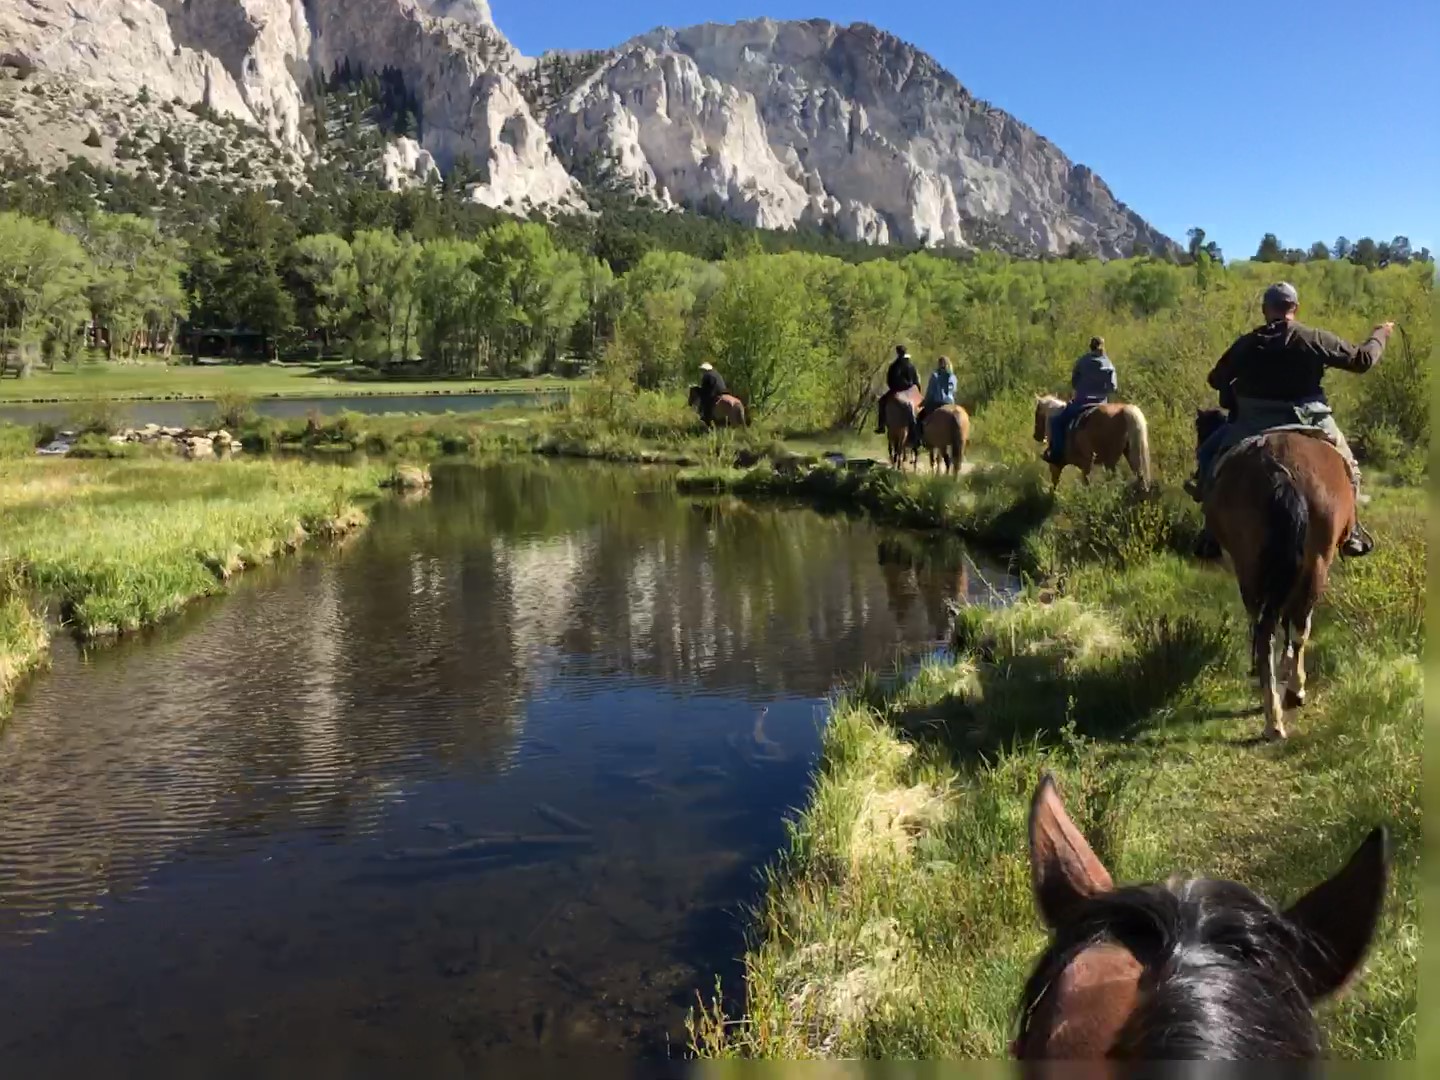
(1092, 381)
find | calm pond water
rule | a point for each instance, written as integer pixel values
(183, 413)
(279, 834)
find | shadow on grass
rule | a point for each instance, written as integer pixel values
(1041, 699)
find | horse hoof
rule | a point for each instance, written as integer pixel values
(1294, 700)
(1274, 734)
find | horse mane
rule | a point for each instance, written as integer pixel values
(1221, 979)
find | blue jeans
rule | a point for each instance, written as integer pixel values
(1207, 451)
(1060, 424)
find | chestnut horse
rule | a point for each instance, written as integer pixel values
(1280, 506)
(729, 411)
(1196, 969)
(946, 432)
(1103, 435)
(900, 410)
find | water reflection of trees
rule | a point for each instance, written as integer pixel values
(306, 700)
(634, 580)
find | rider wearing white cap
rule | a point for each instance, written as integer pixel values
(711, 387)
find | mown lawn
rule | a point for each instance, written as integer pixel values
(130, 382)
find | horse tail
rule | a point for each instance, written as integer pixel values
(1137, 438)
(1283, 555)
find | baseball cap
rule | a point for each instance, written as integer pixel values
(1281, 294)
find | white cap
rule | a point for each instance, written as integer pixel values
(707, 366)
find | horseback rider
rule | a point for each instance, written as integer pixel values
(1271, 377)
(899, 377)
(712, 386)
(1092, 381)
(940, 390)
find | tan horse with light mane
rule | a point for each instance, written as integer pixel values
(1103, 436)
(729, 410)
(945, 432)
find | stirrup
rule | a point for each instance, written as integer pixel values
(1358, 544)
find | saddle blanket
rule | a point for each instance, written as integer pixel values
(1079, 416)
(1251, 441)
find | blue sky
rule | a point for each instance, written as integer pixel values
(1324, 122)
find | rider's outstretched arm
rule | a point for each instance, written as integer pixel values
(1336, 352)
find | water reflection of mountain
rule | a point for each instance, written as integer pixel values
(314, 696)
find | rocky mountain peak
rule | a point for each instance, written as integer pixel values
(779, 124)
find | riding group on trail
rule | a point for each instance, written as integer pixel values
(1205, 969)
(1198, 969)
(1274, 474)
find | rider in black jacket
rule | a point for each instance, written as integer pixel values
(711, 387)
(901, 375)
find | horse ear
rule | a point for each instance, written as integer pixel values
(1064, 870)
(1338, 917)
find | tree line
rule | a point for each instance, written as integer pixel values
(800, 324)
(806, 338)
(509, 300)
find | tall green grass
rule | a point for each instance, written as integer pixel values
(23, 637)
(123, 544)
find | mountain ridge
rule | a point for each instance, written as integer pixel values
(774, 123)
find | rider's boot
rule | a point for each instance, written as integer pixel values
(880, 416)
(1192, 488)
(1359, 542)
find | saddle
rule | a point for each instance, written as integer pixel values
(1251, 442)
(1084, 412)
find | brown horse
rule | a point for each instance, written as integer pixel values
(729, 411)
(946, 431)
(1103, 436)
(1280, 507)
(900, 410)
(1194, 969)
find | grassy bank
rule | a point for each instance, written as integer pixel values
(23, 638)
(899, 922)
(155, 382)
(118, 545)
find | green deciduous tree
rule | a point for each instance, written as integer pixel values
(321, 270)
(763, 332)
(43, 277)
(135, 291)
(383, 305)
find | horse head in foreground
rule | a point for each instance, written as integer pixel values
(1195, 969)
(1101, 436)
(1280, 505)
